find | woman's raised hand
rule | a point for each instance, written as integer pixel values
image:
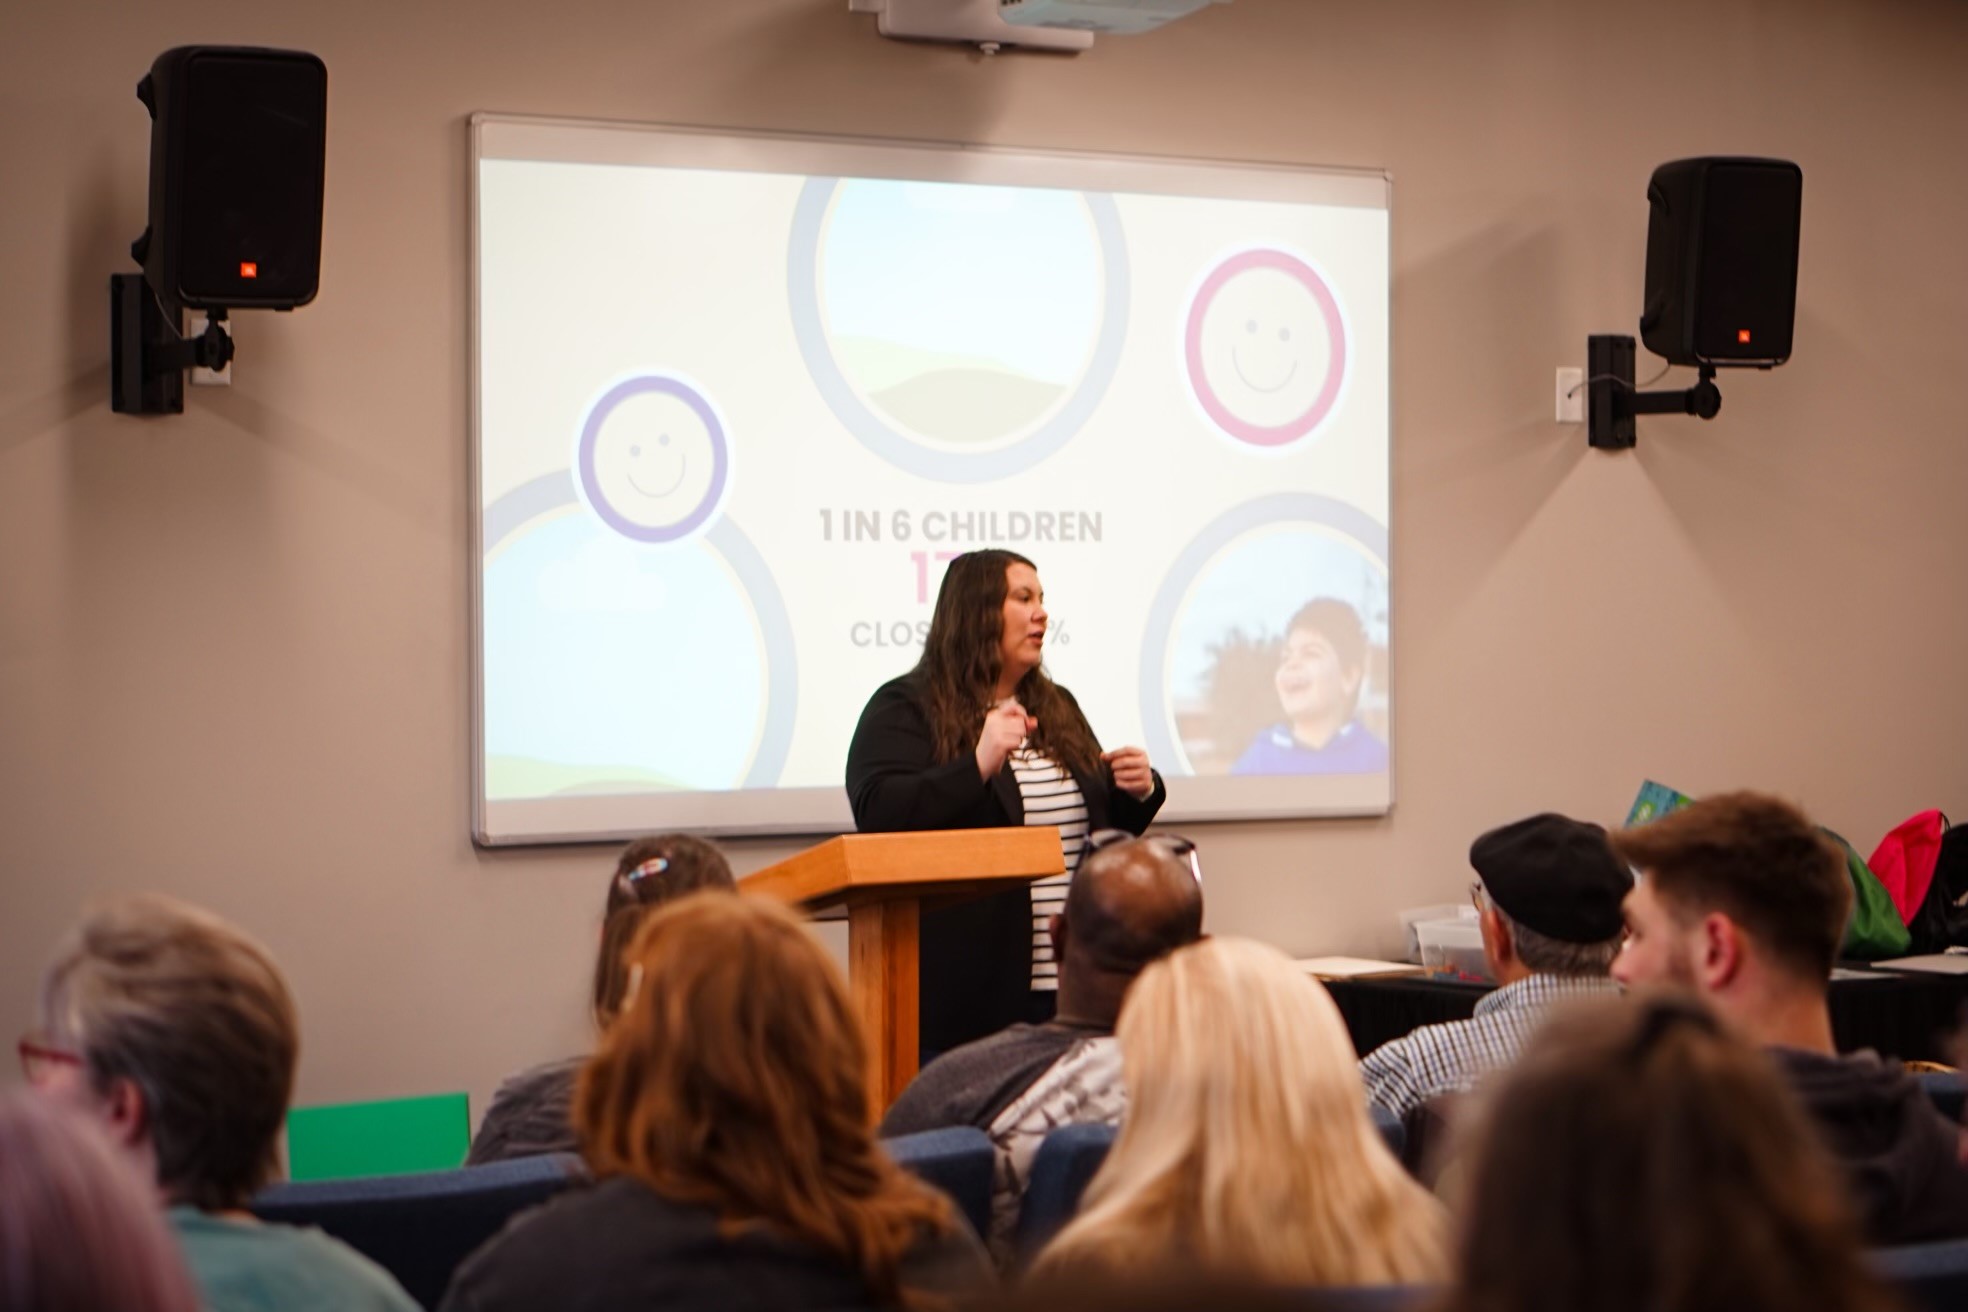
(1005, 726)
(1132, 773)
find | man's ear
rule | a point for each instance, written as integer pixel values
(125, 1113)
(1056, 930)
(1720, 953)
(1496, 933)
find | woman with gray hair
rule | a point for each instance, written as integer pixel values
(176, 1032)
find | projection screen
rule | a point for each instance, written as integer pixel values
(736, 398)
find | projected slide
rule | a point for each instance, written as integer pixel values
(739, 398)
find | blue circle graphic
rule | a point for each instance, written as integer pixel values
(511, 513)
(891, 440)
(587, 444)
(1282, 509)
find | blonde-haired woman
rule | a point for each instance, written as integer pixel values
(1247, 1150)
(725, 1117)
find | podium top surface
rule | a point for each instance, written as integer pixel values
(859, 867)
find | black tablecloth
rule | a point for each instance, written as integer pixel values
(1912, 1017)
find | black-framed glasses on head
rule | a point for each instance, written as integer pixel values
(1177, 846)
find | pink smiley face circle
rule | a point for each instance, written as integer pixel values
(1265, 347)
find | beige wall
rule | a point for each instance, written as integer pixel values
(233, 644)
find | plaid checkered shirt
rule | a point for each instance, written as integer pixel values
(1404, 1073)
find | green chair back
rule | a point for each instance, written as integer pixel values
(394, 1136)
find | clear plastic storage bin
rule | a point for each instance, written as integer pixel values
(1453, 949)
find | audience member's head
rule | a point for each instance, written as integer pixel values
(1131, 901)
(1640, 1157)
(650, 872)
(80, 1230)
(1549, 898)
(1247, 1150)
(177, 1032)
(1741, 898)
(735, 1076)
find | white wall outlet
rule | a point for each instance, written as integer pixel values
(1570, 395)
(206, 377)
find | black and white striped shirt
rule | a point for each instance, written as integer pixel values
(1052, 797)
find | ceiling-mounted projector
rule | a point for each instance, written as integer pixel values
(1122, 17)
(993, 25)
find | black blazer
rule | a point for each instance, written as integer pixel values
(976, 956)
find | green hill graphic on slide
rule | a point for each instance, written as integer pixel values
(512, 777)
(943, 396)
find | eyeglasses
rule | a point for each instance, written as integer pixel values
(38, 1060)
(1177, 846)
(1479, 896)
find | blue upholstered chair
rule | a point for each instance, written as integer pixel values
(958, 1161)
(1947, 1090)
(1391, 1129)
(420, 1227)
(1933, 1277)
(1061, 1169)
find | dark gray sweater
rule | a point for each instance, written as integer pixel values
(972, 1084)
(1901, 1155)
(530, 1114)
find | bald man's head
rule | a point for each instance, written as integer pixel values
(1129, 904)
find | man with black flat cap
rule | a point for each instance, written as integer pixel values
(1548, 895)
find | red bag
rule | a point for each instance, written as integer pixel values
(1904, 861)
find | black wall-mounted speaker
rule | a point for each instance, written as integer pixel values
(1722, 261)
(238, 144)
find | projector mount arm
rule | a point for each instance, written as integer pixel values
(1612, 401)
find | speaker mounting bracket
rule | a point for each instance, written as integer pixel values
(148, 353)
(1612, 402)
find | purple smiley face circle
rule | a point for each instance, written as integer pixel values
(658, 470)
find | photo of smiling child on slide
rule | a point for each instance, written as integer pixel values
(1321, 672)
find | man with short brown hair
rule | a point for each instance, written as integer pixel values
(1742, 899)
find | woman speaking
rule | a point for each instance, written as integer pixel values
(977, 737)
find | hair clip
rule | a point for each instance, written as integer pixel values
(655, 865)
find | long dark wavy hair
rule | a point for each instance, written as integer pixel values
(957, 676)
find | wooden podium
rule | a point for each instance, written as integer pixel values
(883, 881)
